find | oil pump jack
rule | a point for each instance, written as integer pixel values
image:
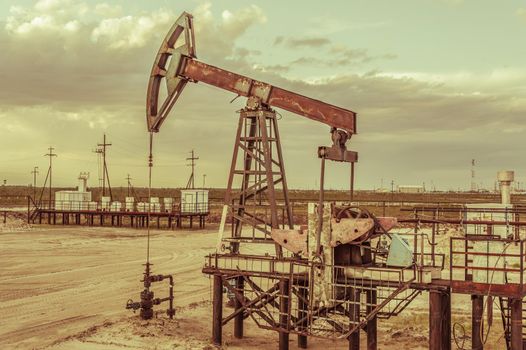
(257, 140)
(340, 273)
(303, 285)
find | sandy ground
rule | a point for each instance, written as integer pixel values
(66, 287)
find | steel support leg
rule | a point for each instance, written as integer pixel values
(217, 310)
(439, 320)
(302, 313)
(372, 343)
(516, 324)
(435, 314)
(238, 320)
(354, 338)
(477, 306)
(446, 320)
(283, 314)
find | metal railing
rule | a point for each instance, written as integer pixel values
(488, 259)
(322, 301)
(93, 206)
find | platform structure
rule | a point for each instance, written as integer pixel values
(168, 219)
(344, 271)
(285, 294)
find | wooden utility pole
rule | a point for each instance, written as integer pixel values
(105, 176)
(192, 159)
(128, 178)
(34, 172)
(50, 170)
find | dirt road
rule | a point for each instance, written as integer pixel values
(56, 282)
(66, 287)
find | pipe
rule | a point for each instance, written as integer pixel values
(463, 222)
(320, 209)
(217, 310)
(435, 320)
(238, 320)
(302, 314)
(284, 313)
(372, 343)
(171, 310)
(354, 313)
(516, 324)
(477, 306)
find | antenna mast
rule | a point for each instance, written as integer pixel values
(128, 178)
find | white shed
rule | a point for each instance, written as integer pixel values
(194, 201)
(72, 200)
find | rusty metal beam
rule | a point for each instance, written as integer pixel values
(372, 342)
(462, 222)
(240, 297)
(354, 337)
(334, 116)
(435, 314)
(217, 310)
(516, 323)
(477, 306)
(238, 320)
(284, 311)
(446, 320)
(439, 320)
(303, 304)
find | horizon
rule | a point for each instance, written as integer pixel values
(429, 98)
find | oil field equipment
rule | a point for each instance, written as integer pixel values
(347, 268)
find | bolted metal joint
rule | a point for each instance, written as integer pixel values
(338, 151)
(132, 305)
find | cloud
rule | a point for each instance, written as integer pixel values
(311, 42)
(341, 56)
(85, 57)
(73, 71)
(57, 16)
(452, 2)
(274, 68)
(334, 55)
(237, 22)
(218, 37)
(76, 71)
(131, 31)
(108, 10)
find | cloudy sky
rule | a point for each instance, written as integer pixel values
(435, 83)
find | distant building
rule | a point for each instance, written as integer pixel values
(411, 189)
